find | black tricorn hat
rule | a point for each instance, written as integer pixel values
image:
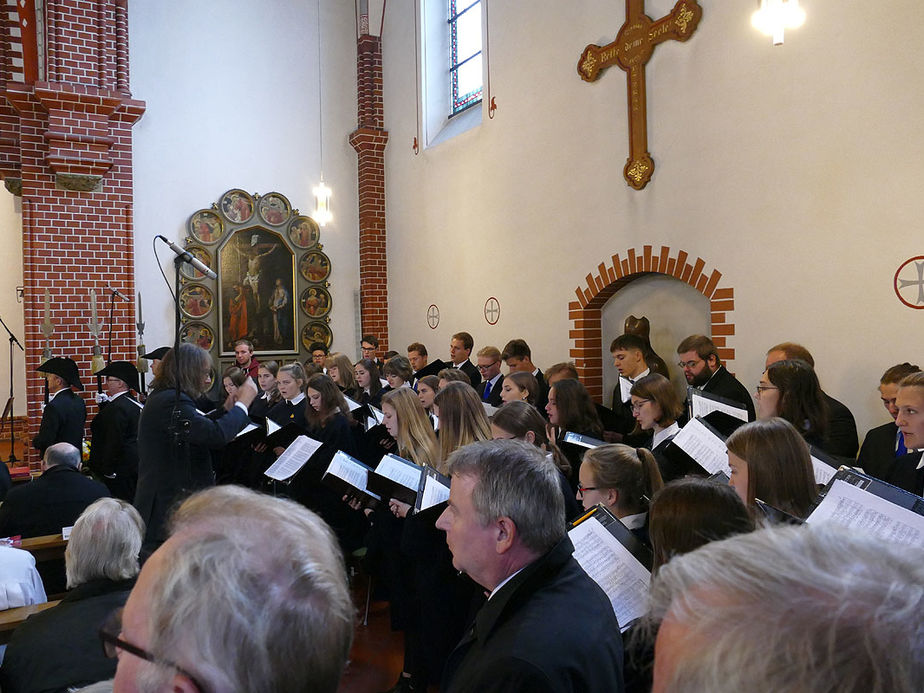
(124, 371)
(63, 367)
(158, 353)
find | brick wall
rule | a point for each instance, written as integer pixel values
(369, 141)
(613, 274)
(71, 151)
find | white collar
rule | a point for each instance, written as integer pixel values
(298, 398)
(625, 385)
(664, 434)
(634, 521)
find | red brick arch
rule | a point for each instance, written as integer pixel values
(584, 313)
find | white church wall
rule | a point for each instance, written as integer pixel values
(10, 307)
(794, 170)
(232, 101)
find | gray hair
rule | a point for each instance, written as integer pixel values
(795, 609)
(254, 597)
(515, 480)
(104, 543)
(63, 454)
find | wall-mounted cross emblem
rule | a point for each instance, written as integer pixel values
(631, 50)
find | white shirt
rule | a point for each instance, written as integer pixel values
(634, 521)
(20, 584)
(504, 582)
(625, 385)
(664, 434)
(298, 398)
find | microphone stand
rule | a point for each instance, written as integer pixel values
(179, 427)
(13, 341)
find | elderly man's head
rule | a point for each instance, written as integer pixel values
(104, 543)
(790, 609)
(505, 509)
(61, 454)
(248, 594)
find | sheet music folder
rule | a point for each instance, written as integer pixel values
(613, 558)
(349, 476)
(720, 426)
(704, 403)
(893, 494)
(396, 477)
(582, 440)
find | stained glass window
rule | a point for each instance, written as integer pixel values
(465, 53)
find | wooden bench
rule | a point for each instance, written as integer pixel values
(46, 548)
(11, 618)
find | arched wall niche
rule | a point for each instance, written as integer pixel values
(618, 271)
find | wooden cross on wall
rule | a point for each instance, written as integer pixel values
(631, 50)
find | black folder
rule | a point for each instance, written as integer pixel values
(893, 494)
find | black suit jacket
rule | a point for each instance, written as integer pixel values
(432, 368)
(169, 469)
(543, 397)
(905, 474)
(52, 501)
(31, 664)
(877, 454)
(550, 628)
(724, 384)
(494, 397)
(63, 421)
(114, 442)
(471, 370)
(841, 439)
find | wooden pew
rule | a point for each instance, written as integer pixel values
(46, 548)
(11, 618)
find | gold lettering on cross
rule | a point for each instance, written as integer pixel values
(631, 51)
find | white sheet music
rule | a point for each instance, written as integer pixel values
(377, 414)
(614, 568)
(705, 405)
(854, 508)
(704, 446)
(352, 404)
(392, 467)
(271, 427)
(351, 471)
(247, 429)
(489, 409)
(434, 493)
(823, 472)
(293, 458)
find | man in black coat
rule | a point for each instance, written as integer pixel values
(841, 438)
(703, 368)
(489, 365)
(52, 501)
(65, 415)
(460, 348)
(114, 444)
(546, 625)
(59, 648)
(883, 444)
(519, 357)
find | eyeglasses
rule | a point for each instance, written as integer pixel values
(761, 388)
(583, 489)
(484, 368)
(637, 406)
(689, 365)
(109, 638)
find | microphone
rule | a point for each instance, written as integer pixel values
(117, 293)
(185, 256)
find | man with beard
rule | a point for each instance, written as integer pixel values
(699, 360)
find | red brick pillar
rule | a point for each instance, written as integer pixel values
(369, 141)
(67, 149)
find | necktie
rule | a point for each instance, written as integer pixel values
(487, 390)
(902, 450)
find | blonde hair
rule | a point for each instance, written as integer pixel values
(633, 472)
(416, 439)
(462, 418)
